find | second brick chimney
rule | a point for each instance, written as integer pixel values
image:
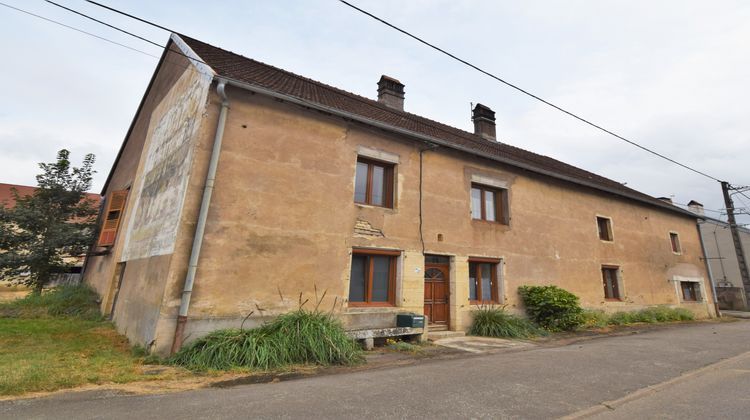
(696, 208)
(484, 122)
(391, 92)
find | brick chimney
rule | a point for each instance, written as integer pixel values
(665, 199)
(696, 208)
(391, 92)
(484, 122)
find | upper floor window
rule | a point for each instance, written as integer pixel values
(373, 184)
(674, 239)
(489, 204)
(604, 225)
(112, 216)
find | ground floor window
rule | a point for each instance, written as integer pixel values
(691, 291)
(611, 283)
(483, 281)
(373, 278)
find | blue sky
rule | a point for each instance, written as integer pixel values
(671, 75)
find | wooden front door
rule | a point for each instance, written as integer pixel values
(436, 293)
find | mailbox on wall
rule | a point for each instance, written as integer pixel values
(410, 320)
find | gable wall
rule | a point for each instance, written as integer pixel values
(156, 191)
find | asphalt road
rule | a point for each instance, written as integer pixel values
(633, 374)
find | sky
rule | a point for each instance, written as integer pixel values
(670, 75)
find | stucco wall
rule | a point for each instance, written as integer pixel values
(282, 221)
(157, 189)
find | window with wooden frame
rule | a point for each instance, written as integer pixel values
(483, 284)
(611, 282)
(373, 277)
(373, 183)
(674, 240)
(604, 225)
(489, 204)
(112, 216)
(691, 291)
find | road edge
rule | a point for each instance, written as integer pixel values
(606, 406)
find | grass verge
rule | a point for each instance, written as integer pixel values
(656, 314)
(77, 301)
(58, 340)
(299, 337)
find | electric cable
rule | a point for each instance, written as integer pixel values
(525, 92)
(78, 30)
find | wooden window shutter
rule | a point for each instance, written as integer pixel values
(115, 207)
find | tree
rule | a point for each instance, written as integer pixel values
(54, 223)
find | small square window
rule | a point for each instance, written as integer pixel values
(674, 239)
(489, 204)
(691, 291)
(373, 183)
(483, 282)
(611, 283)
(605, 228)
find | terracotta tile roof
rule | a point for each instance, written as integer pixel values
(6, 197)
(236, 67)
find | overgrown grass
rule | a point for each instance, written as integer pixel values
(651, 315)
(77, 301)
(594, 319)
(495, 322)
(403, 346)
(58, 340)
(599, 319)
(299, 337)
(46, 354)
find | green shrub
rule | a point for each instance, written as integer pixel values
(495, 322)
(594, 319)
(78, 301)
(551, 307)
(652, 315)
(299, 337)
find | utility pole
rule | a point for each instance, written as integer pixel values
(725, 187)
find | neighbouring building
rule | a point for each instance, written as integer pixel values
(73, 274)
(722, 258)
(319, 189)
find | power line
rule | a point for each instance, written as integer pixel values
(131, 16)
(104, 23)
(525, 92)
(126, 32)
(711, 210)
(421, 41)
(78, 30)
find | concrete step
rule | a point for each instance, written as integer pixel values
(437, 335)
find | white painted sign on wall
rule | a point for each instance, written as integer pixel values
(161, 188)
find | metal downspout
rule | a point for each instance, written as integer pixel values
(202, 216)
(708, 268)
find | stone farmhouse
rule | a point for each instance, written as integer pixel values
(240, 187)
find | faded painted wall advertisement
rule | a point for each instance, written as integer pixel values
(161, 191)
